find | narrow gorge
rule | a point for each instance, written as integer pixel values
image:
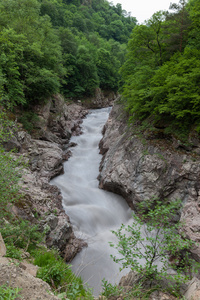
(93, 212)
(75, 203)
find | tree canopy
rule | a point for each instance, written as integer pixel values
(161, 72)
(49, 46)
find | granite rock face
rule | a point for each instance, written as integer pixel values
(140, 167)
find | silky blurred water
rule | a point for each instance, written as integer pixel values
(93, 212)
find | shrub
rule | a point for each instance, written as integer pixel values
(29, 119)
(153, 238)
(10, 168)
(20, 234)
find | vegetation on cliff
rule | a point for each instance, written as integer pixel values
(154, 246)
(161, 73)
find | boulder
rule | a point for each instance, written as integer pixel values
(59, 236)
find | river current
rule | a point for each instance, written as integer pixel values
(93, 212)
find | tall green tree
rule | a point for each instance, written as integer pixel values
(31, 66)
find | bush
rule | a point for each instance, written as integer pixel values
(110, 290)
(10, 168)
(58, 274)
(29, 119)
(20, 235)
(153, 238)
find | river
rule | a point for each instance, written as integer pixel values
(93, 212)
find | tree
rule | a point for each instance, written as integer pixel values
(176, 28)
(107, 70)
(31, 58)
(154, 237)
(194, 16)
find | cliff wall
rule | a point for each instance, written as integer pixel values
(44, 153)
(141, 166)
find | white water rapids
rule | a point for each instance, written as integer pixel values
(93, 212)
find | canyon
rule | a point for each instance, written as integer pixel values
(136, 165)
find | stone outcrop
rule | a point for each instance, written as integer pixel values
(141, 166)
(43, 153)
(101, 99)
(16, 274)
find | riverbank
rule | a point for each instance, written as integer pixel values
(140, 165)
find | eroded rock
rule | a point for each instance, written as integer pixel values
(44, 153)
(141, 167)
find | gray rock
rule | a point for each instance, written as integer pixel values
(139, 169)
(52, 221)
(60, 235)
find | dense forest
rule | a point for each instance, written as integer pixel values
(74, 47)
(51, 46)
(162, 70)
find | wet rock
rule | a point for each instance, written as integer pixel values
(101, 99)
(73, 247)
(44, 153)
(131, 280)
(30, 287)
(52, 221)
(158, 295)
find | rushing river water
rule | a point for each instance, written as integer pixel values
(93, 212)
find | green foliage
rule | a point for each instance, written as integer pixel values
(161, 72)
(10, 168)
(8, 293)
(42, 42)
(155, 237)
(28, 119)
(19, 235)
(58, 274)
(110, 290)
(30, 59)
